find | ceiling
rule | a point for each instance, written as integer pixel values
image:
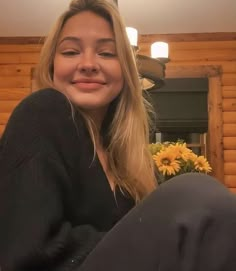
(34, 18)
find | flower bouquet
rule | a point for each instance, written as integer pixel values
(175, 158)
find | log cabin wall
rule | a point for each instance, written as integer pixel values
(16, 63)
(213, 56)
(192, 55)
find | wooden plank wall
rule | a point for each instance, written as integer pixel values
(191, 51)
(16, 62)
(196, 50)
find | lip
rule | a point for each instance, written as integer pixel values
(88, 84)
(88, 81)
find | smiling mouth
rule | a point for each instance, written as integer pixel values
(88, 85)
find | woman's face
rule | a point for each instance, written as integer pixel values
(86, 67)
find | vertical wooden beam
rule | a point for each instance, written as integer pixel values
(214, 139)
(215, 128)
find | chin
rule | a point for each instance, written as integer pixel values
(89, 106)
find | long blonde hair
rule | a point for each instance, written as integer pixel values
(127, 134)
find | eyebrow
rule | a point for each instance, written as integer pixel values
(77, 40)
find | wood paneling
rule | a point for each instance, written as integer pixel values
(230, 156)
(215, 147)
(20, 48)
(4, 118)
(7, 94)
(223, 40)
(21, 40)
(199, 55)
(15, 70)
(211, 55)
(20, 58)
(229, 79)
(229, 117)
(16, 64)
(199, 45)
(229, 67)
(229, 91)
(7, 106)
(230, 181)
(230, 168)
(2, 127)
(229, 143)
(15, 82)
(229, 129)
(188, 71)
(229, 104)
(189, 37)
(150, 38)
(215, 127)
(202, 56)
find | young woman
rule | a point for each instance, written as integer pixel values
(74, 155)
(74, 161)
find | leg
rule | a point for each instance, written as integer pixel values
(188, 223)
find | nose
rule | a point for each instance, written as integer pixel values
(88, 63)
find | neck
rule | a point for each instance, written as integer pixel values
(97, 117)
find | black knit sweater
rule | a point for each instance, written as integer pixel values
(55, 199)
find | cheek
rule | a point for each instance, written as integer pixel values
(61, 70)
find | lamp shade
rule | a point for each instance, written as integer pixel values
(159, 50)
(151, 69)
(132, 34)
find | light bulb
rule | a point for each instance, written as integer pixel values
(132, 34)
(159, 50)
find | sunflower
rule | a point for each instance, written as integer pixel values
(202, 165)
(181, 151)
(175, 158)
(166, 162)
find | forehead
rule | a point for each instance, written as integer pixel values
(87, 23)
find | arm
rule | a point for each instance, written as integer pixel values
(34, 233)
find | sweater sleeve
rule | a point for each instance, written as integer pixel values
(35, 233)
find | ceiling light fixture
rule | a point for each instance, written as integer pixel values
(151, 69)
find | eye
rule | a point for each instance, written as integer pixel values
(107, 54)
(70, 53)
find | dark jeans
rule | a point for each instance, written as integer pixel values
(187, 224)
